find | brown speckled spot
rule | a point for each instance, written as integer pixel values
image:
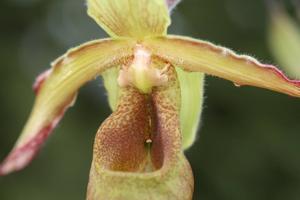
(120, 144)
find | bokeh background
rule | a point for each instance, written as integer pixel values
(249, 141)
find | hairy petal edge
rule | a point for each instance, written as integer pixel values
(200, 56)
(56, 90)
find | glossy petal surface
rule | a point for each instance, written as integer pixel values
(56, 90)
(200, 56)
(130, 18)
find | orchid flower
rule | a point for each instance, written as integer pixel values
(155, 89)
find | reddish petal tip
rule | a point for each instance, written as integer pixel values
(172, 3)
(21, 156)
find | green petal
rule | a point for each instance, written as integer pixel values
(200, 56)
(192, 90)
(56, 91)
(284, 40)
(110, 80)
(130, 18)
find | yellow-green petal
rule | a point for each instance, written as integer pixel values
(110, 80)
(192, 91)
(130, 18)
(56, 91)
(284, 40)
(200, 56)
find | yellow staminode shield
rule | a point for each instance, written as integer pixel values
(130, 18)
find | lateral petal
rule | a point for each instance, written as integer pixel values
(130, 18)
(56, 90)
(200, 56)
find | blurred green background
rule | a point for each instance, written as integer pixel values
(248, 145)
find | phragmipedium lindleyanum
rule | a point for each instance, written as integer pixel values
(155, 88)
